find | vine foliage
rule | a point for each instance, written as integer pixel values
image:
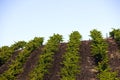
(99, 50)
(71, 58)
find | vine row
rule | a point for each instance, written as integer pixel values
(46, 58)
(71, 58)
(99, 50)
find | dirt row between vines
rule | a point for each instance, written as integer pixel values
(87, 65)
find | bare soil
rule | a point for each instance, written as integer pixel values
(87, 65)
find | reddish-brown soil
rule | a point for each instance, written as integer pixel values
(87, 64)
(5, 66)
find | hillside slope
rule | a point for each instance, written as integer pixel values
(87, 64)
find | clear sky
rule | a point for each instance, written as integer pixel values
(25, 19)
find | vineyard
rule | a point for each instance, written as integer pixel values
(94, 59)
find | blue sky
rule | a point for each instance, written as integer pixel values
(25, 19)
